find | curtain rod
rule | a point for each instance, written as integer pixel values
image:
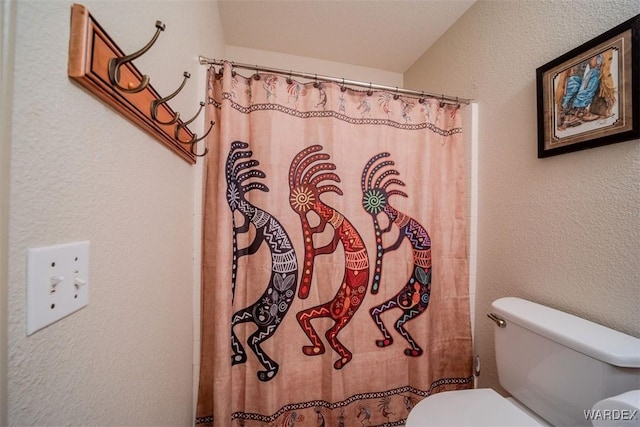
(415, 93)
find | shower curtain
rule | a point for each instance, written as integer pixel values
(335, 284)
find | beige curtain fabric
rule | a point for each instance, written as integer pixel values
(335, 284)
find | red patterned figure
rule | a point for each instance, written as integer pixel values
(306, 174)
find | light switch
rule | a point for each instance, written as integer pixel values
(57, 283)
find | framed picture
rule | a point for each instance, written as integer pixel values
(590, 96)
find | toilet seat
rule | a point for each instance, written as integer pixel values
(478, 407)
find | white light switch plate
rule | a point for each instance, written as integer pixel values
(57, 283)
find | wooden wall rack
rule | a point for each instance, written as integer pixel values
(90, 52)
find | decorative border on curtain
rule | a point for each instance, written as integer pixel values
(337, 405)
(352, 399)
(330, 113)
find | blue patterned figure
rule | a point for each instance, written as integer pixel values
(413, 298)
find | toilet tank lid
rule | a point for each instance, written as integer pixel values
(592, 339)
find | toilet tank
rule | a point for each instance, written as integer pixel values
(559, 365)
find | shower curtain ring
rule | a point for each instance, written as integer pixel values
(289, 79)
(421, 100)
(343, 88)
(370, 92)
(442, 101)
(315, 83)
(396, 96)
(256, 76)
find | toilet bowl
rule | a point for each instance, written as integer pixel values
(479, 407)
(560, 370)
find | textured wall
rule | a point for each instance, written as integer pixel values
(7, 42)
(81, 171)
(562, 231)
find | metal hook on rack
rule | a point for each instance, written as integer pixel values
(182, 125)
(194, 142)
(157, 102)
(115, 64)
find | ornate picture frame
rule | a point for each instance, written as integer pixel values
(590, 96)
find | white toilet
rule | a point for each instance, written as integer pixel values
(557, 367)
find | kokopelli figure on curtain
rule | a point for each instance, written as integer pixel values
(269, 310)
(413, 298)
(307, 175)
